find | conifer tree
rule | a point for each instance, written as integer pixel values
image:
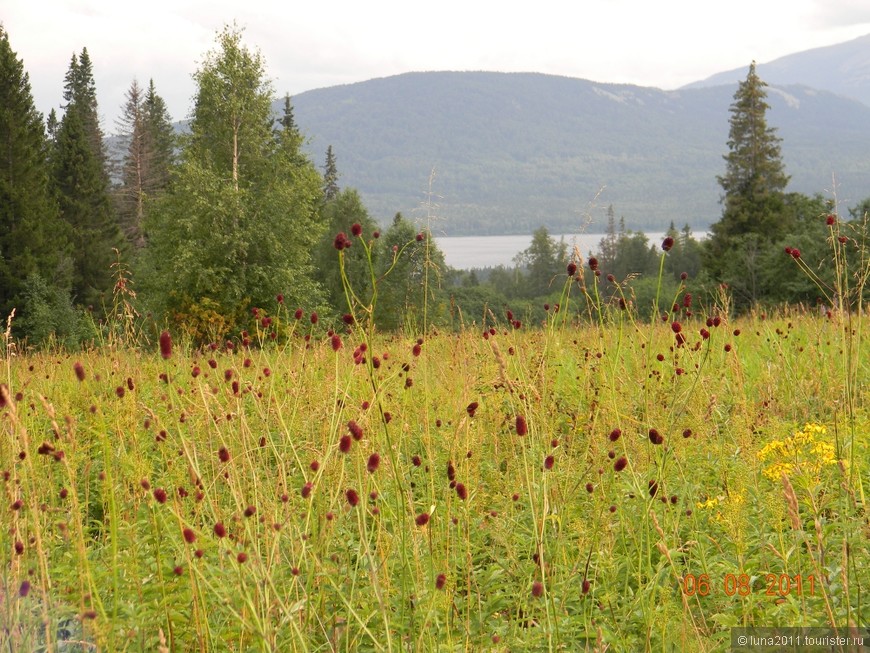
(82, 185)
(149, 136)
(330, 176)
(754, 181)
(32, 241)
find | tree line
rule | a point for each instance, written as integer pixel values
(209, 230)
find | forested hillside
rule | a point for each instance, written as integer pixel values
(513, 151)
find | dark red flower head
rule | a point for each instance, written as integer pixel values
(620, 464)
(341, 242)
(572, 269)
(593, 263)
(352, 497)
(667, 243)
(655, 437)
(422, 519)
(373, 463)
(522, 427)
(165, 345)
(79, 369)
(356, 229)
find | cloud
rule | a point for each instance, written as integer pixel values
(841, 13)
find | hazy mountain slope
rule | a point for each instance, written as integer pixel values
(843, 69)
(513, 151)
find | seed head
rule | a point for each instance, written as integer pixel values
(165, 345)
(373, 463)
(344, 444)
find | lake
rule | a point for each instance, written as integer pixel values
(466, 252)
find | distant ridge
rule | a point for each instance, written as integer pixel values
(513, 151)
(843, 69)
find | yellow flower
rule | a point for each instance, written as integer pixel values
(804, 451)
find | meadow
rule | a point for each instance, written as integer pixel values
(589, 483)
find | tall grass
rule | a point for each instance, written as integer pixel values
(601, 481)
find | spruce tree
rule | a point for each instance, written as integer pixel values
(82, 185)
(754, 181)
(145, 127)
(32, 241)
(330, 176)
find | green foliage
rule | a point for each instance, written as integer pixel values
(330, 176)
(238, 223)
(146, 128)
(409, 272)
(48, 316)
(32, 239)
(541, 262)
(339, 215)
(754, 181)
(82, 186)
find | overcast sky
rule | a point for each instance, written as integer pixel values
(310, 44)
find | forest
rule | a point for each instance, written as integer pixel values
(201, 231)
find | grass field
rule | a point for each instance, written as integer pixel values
(616, 485)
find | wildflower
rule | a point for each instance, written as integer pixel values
(160, 495)
(655, 437)
(189, 535)
(572, 269)
(593, 263)
(461, 492)
(440, 581)
(24, 589)
(373, 463)
(242, 557)
(585, 586)
(830, 220)
(653, 487)
(472, 407)
(355, 430)
(522, 427)
(306, 490)
(620, 464)
(79, 369)
(615, 434)
(676, 327)
(419, 237)
(223, 455)
(356, 229)
(336, 342)
(352, 497)
(537, 589)
(341, 242)
(422, 519)
(549, 461)
(795, 253)
(344, 444)
(165, 345)
(667, 243)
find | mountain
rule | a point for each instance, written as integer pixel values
(843, 69)
(513, 151)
